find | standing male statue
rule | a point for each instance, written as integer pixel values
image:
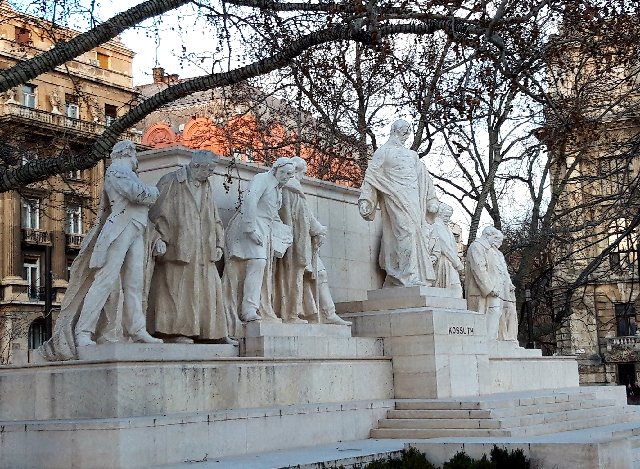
(254, 236)
(399, 183)
(488, 286)
(185, 300)
(297, 272)
(111, 256)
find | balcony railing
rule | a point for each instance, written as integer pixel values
(60, 121)
(37, 293)
(33, 236)
(630, 342)
(74, 241)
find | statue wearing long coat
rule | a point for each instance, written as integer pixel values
(185, 296)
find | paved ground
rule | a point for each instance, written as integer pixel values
(357, 451)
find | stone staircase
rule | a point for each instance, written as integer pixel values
(510, 415)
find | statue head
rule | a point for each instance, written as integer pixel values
(493, 235)
(202, 164)
(401, 130)
(125, 150)
(300, 166)
(445, 211)
(283, 170)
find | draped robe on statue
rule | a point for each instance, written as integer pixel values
(185, 295)
(289, 270)
(398, 181)
(443, 246)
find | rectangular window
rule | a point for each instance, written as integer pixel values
(625, 319)
(103, 60)
(74, 219)
(23, 36)
(31, 214)
(624, 257)
(31, 273)
(72, 109)
(110, 113)
(29, 96)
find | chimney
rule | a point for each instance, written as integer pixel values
(158, 74)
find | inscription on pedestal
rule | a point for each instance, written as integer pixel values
(460, 330)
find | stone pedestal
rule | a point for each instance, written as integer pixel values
(440, 349)
(271, 339)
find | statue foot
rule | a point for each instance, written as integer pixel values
(335, 319)
(146, 338)
(295, 321)
(229, 340)
(83, 339)
(250, 317)
(181, 339)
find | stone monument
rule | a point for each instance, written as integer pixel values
(254, 236)
(398, 182)
(301, 286)
(111, 257)
(444, 251)
(488, 286)
(185, 297)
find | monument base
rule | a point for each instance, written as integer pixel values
(441, 351)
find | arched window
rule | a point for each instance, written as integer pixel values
(37, 333)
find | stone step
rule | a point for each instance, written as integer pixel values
(412, 420)
(137, 352)
(495, 403)
(575, 424)
(414, 302)
(562, 416)
(311, 347)
(280, 329)
(438, 414)
(408, 292)
(507, 412)
(408, 433)
(440, 423)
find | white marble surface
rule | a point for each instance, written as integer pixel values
(184, 439)
(399, 183)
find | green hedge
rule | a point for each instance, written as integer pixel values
(500, 458)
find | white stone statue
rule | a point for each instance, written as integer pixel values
(291, 298)
(488, 286)
(10, 96)
(444, 251)
(254, 235)
(111, 256)
(55, 101)
(185, 298)
(398, 182)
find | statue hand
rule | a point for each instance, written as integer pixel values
(159, 248)
(154, 193)
(255, 237)
(365, 208)
(218, 254)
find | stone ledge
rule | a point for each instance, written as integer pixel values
(276, 329)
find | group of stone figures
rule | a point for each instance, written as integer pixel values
(418, 247)
(146, 271)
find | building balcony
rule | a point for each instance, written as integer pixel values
(623, 349)
(36, 237)
(628, 342)
(57, 122)
(73, 241)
